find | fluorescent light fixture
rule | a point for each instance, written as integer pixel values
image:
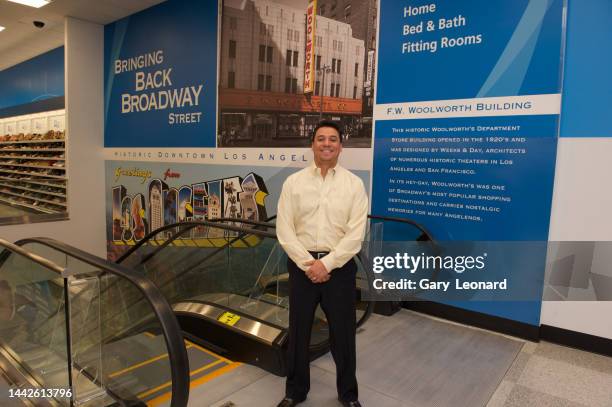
(32, 3)
(1, 28)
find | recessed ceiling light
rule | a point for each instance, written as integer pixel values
(1, 28)
(32, 3)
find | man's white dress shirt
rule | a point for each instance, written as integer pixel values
(322, 214)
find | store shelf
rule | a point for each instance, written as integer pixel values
(33, 182)
(32, 141)
(47, 167)
(37, 150)
(38, 191)
(47, 184)
(25, 205)
(24, 164)
(37, 175)
(25, 157)
(33, 198)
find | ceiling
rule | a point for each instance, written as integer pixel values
(21, 41)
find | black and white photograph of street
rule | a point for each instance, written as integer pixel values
(264, 97)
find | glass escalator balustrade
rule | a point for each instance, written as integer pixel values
(118, 346)
(32, 319)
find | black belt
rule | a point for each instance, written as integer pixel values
(318, 255)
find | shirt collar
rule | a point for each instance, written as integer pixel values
(317, 170)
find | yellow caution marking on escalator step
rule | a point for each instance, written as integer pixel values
(252, 240)
(218, 242)
(203, 243)
(247, 241)
(194, 383)
(239, 244)
(216, 373)
(136, 366)
(167, 384)
(148, 361)
(208, 366)
(198, 347)
(190, 243)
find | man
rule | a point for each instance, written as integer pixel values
(321, 220)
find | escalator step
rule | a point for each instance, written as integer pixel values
(204, 343)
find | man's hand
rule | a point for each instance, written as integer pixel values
(317, 273)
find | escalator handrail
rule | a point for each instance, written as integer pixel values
(266, 223)
(422, 228)
(437, 249)
(187, 229)
(246, 221)
(177, 354)
(192, 224)
(369, 304)
(218, 222)
(31, 256)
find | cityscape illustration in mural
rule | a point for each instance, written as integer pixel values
(136, 215)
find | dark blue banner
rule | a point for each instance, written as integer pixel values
(161, 76)
(467, 118)
(34, 80)
(440, 50)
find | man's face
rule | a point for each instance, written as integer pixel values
(326, 146)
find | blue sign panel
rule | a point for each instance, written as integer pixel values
(587, 83)
(34, 80)
(467, 116)
(160, 76)
(440, 50)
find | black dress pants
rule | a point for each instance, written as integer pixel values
(337, 299)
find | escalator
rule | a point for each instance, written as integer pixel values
(77, 330)
(224, 280)
(135, 333)
(228, 285)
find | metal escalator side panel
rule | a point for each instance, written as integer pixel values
(245, 325)
(15, 376)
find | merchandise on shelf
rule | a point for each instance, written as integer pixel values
(32, 171)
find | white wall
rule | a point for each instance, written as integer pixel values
(581, 211)
(84, 61)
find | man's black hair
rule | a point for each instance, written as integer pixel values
(327, 123)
